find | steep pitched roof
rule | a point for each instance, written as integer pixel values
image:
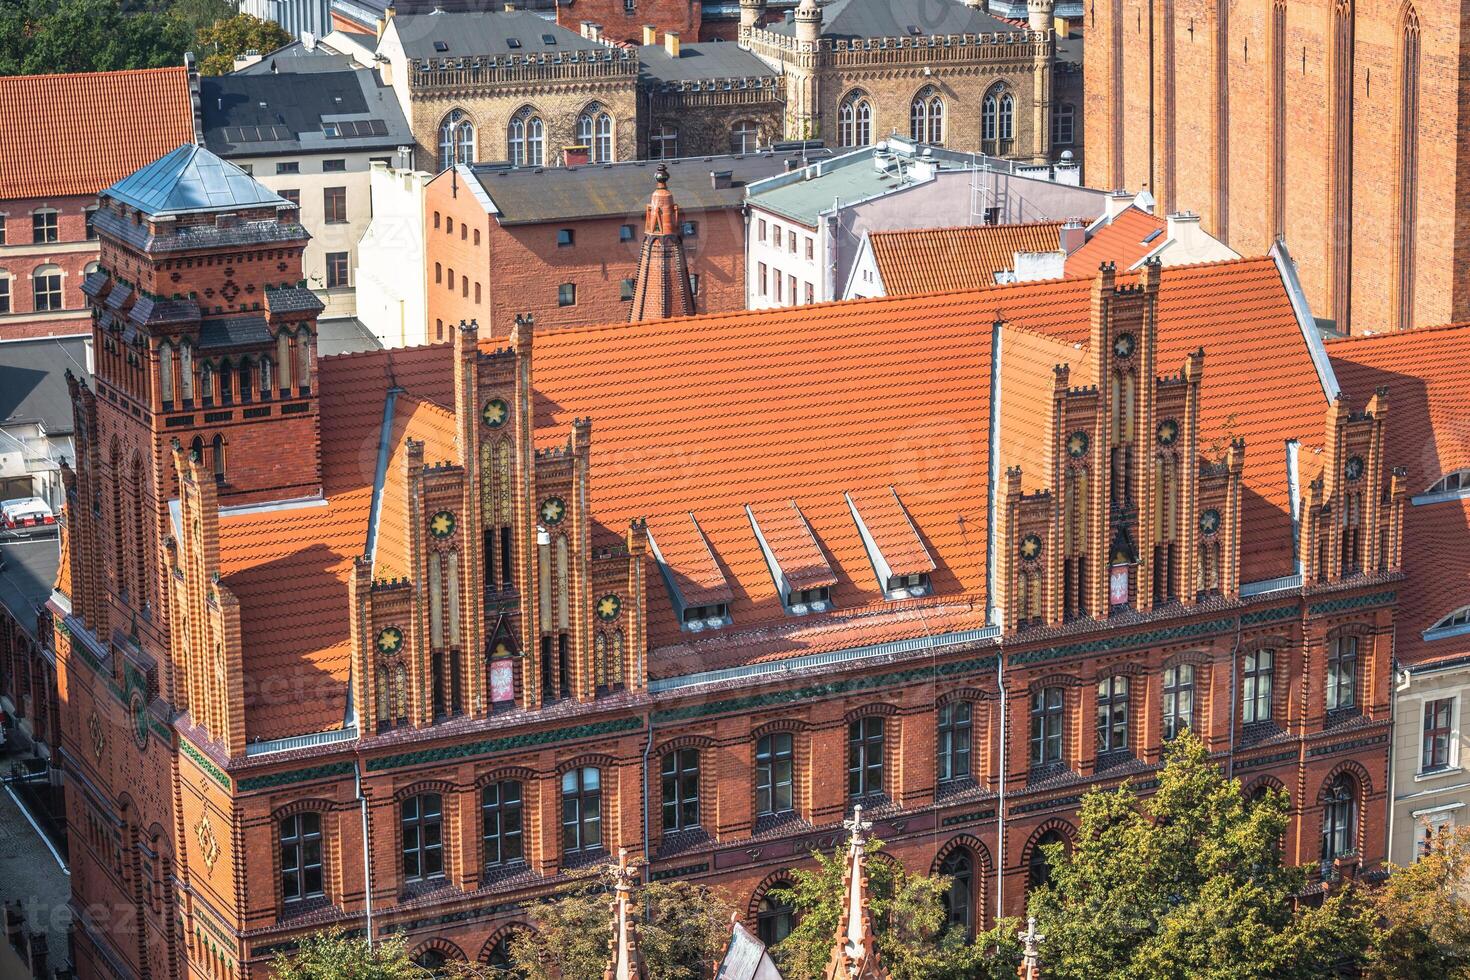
(62, 132)
(1427, 373)
(1130, 236)
(929, 260)
(191, 179)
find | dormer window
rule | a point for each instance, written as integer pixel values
(803, 601)
(906, 586)
(799, 570)
(1456, 623)
(713, 616)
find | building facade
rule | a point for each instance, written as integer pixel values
(429, 627)
(54, 162)
(1321, 130)
(392, 298)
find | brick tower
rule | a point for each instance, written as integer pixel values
(663, 288)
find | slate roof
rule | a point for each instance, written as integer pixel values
(191, 179)
(234, 332)
(484, 33)
(344, 335)
(75, 134)
(27, 580)
(847, 19)
(292, 299)
(296, 57)
(1427, 373)
(927, 260)
(526, 195)
(264, 114)
(701, 62)
(33, 380)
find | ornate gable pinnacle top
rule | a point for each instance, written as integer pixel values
(662, 289)
(625, 959)
(661, 217)
(854, 955)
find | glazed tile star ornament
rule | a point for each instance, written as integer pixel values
(390, 640)
(1030, 547)
(1077, 444)
(495, 413)
(1209, 521)
(441, 525)
(553, 510)
(608, 607)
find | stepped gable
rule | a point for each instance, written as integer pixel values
(1427, 374)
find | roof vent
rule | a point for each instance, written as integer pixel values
(512, 42)
(441, 46)
(549, 39)
(721, 179)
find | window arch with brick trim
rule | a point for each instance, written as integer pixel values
(1343, 652)
(425, 828)
(433, 954)
(1341, 798)
(966, 860)
(585, 784)
(855, 119)
(1033, 858)
(456, 141)
(496, 951)
(771, 911)
(872, 736)
(305, 834)
(1260, 662)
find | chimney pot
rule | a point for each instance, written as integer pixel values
(650, 34)
(671, 43)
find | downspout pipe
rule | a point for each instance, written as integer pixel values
(367, 864)
(647, 751)
(1404, 678)
(1234, 696)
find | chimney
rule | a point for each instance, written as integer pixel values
(721, 179)
(671, 43)
(1181, 224)
(1118, 202)
(650, 34)
(1031, 266)
(1073, 236)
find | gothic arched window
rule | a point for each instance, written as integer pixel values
(526, 139)
(595, 131)
(926, 116)
(1340, 818)
(855, 120)
(958, 898)
(456, 140)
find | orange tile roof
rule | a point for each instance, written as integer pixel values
(78, 133)
(1120, 242)
(1427, 373)
(422, 421)
(931, 260)
(792, 545)
(289, 567)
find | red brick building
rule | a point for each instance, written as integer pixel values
(562, 245)
(469, 615)
(61, 147)
(1332, 124)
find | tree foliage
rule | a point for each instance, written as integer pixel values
(686, 928)
(56, 36)
(910, 924)
(1424, 913)
(224, 40)
(333, 956)
(1189, 884)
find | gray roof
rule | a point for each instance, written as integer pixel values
(198, 236)
(847, 19)
(292, 299)
(297, 57)
(485, 33)
(527, 196)
(258, 115)
(344, 335)
(26, 582)
(191, 179)
(33, 380)
(713, 59)
(240, 331)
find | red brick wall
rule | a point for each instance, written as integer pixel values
(19, 258)
(520, 267)
(620, 24)
(1172, 139)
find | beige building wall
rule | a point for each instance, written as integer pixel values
(1424, 799)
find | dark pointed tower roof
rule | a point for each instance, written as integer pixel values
(662, 289)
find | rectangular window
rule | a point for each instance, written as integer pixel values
(248, 168)
(762, 286)
(776, 285)
(1256, 686)
(690, 229)
(865, 757)
(1178, 699)
(776, 236)
(288, 167)
(1046, 726)
(954, 742)
(810, 250)
(91, 224)
(773, 774)
(1342, 673)
(581, 809)
(679, 776)
(761, 229)
(565, 237)
(337, 270)
(334, 166)
(2, 229)
(791, 242)
(421, 820)
(43, 227)
(4, 294)
(301, 857)
(47, 287)
(334, 205)
(811, 293)
(1112, 714)
(566, 294)
(291, 194)
(500, 823)
(625, 290)
(694, 283)
(791, 288)
(1429, 828)
(1438, 726)
(625, 233)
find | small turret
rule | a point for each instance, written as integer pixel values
(1039, 14)
(752, 12)
(808, 22)
(662, 289)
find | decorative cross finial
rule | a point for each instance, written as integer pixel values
(625, 872)
(1031, 941)
(857, 826)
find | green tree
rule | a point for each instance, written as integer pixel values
(686, 928)
(1189, 884)
(1424, 913)
(333, 956)
(222, 41)
(913, 940)
(45, 36)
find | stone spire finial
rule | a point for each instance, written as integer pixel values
(663, 288)
(625, 957)
(854, 955)
(1031, 940)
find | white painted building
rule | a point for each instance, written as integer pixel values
(392, 299)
